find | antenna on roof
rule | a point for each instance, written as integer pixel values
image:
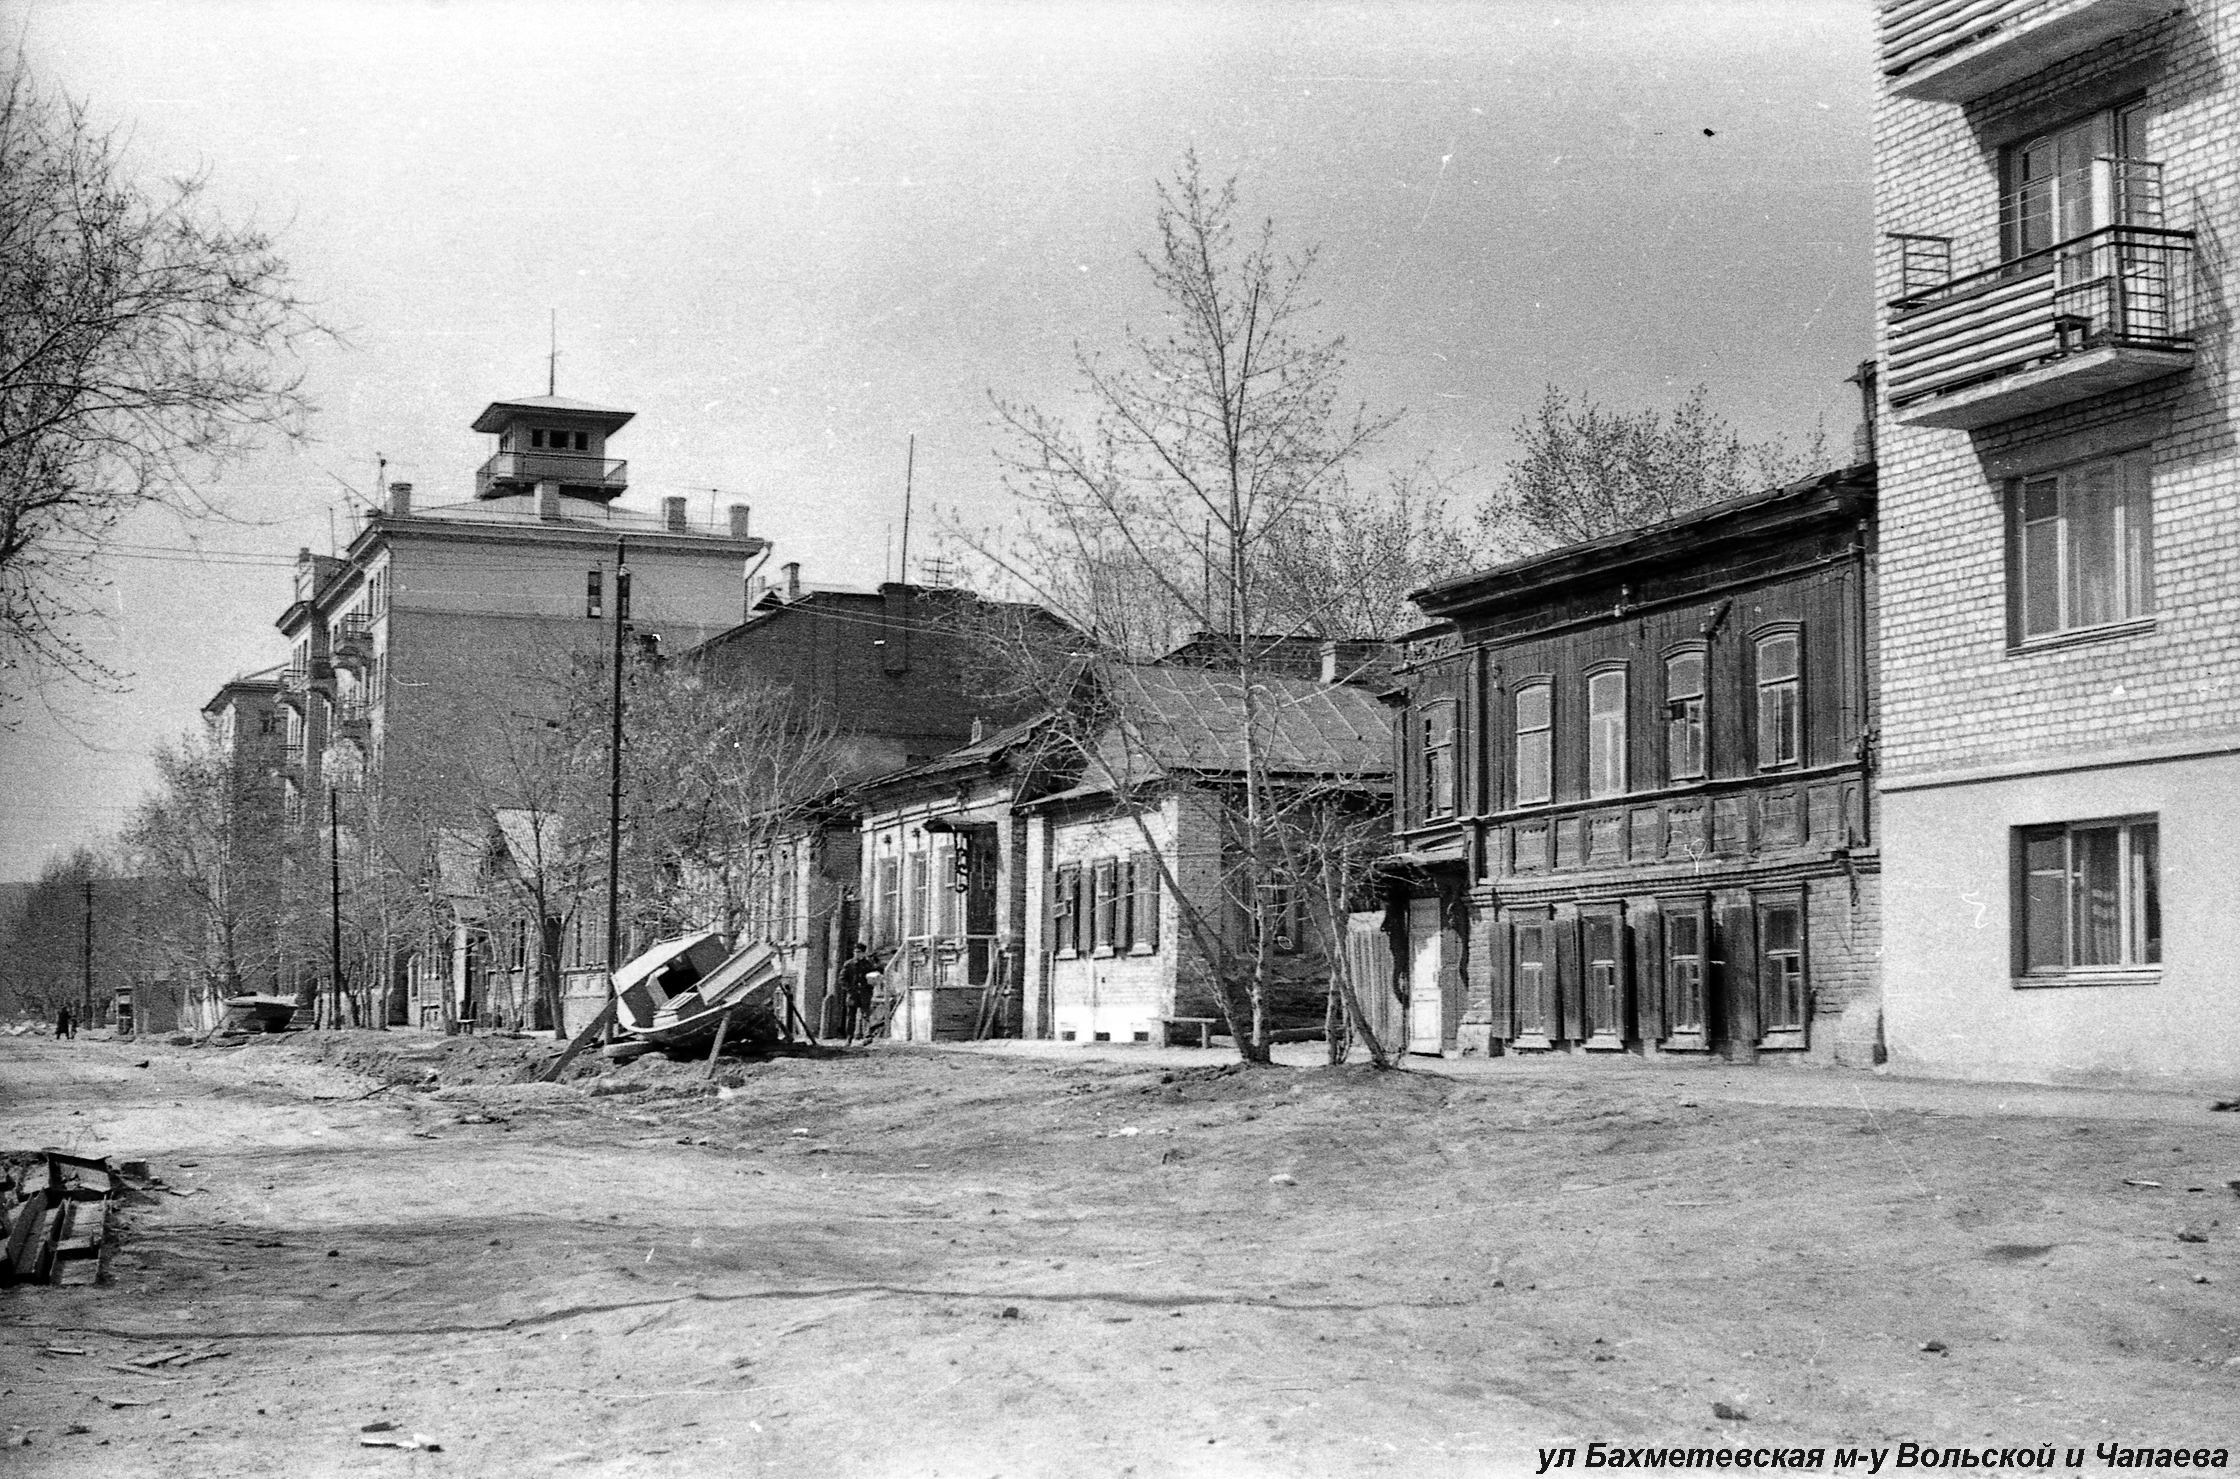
(909, 468)
(552, 360)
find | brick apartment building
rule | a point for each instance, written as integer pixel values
(2060, 537)
(441, 626)
(1635, 798)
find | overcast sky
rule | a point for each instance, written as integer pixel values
(789, 236)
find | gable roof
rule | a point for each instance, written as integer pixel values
(1195, 720)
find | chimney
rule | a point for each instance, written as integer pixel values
(739, 521)
(1329, 663)
(400, 500)
(791, 570)
(672, 515)
(548, 500)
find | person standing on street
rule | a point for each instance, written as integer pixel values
(855, 990)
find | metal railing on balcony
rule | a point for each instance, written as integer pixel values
(571, 469)
(351, 645)
(2120, 286)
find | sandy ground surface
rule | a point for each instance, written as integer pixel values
(1029, 1259)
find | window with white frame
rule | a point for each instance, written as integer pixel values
(1534, 731)
(2072, 180)
(1606, 732)
(1685, 757)
(2083, 547)
(1781, 966)
(1780, 700)
(2088, 896)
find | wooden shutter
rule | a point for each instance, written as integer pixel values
(1570, 992)
(1144, 927)
(1738, 974)
(1645, 942)
(1504, 973)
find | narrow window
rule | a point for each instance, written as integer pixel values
(919, 922)
(1606, 733)
(536, 438)
(1683, 724)
(594, 595)
(1068, 931)
(1533, 734)
(1599, 934)
(1438, 759)
(1778, 707)
(583, 441)
(1532, 967)
(1105, 907)
(889, 917)
(1683, 964)
(2090, 897)
(2085, 556)
(1781, 982)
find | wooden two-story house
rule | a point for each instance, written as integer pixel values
(1635, 793)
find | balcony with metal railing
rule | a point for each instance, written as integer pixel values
(1952, 51)
(519, 471)
(2101, 310)
(351, 645)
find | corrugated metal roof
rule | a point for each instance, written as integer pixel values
(1195, 719)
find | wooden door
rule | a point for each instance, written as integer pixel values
(1427, 1014)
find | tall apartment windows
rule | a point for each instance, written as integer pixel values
(1534, 724)
(2084, 547)
(1781, 983)
(2071, 181)
(1606, 733)
(1438, 759)
(1779, 707)
(1684, 757)
(2089, 896)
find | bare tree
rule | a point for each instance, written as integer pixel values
(207, 847)
(1209, 499)
(1583, 471)
(143, 341)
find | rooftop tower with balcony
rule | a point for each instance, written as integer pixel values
(2059, 537)
(446, 630)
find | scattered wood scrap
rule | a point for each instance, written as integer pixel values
(54, 1217)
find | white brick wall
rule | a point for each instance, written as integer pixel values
(1954, 697)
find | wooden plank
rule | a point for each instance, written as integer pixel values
(723, 1026)
(23, 1227)
(36, 1258)
(582, 1040)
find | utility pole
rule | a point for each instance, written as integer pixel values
(85, 1011)
(614, 770)
(334, 907)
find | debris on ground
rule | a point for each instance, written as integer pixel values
(54, 1217)
(1729, 1412)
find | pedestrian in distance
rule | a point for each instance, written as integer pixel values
(63, 1026)
(856, 980)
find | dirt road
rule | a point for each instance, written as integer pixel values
(1024, 1260)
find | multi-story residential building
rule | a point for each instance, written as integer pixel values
(1635, 793)
(423, 648)
(2060, 536)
